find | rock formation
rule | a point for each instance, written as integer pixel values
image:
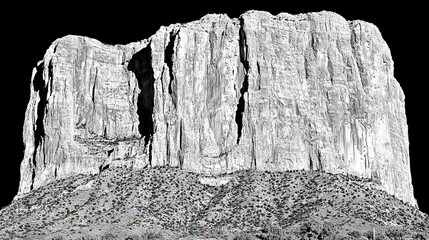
(309, 91)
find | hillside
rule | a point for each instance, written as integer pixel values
(168, 203)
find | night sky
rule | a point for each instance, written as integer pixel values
(28, 30)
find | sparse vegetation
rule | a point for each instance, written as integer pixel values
(244, 236)
(163, 202)
(153, 235)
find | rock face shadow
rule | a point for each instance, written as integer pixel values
(140, 65)
(39, 132)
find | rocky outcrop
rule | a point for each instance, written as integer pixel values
(277, 93)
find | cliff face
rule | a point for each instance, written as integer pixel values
(277, 93)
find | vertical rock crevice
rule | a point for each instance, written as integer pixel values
(181, 145)
(259, 75)
(245, 85)
(40, 87)
(141, 65)
(354, 43)
(315, 160)
(94, 85)
(51, 75)
(319, 159)
(168, 59)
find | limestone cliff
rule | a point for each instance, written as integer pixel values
(277, 93)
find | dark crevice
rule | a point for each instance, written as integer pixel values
(330, 71)
(141, 65)
(103, 167)
(181, 145)
(109, 152)
(150, 153)
(259, 68)
(254, 162)
(243, 46)
(33, 174)
(167, 143)
(319, 158)
(297, 111)
(253, 154)
(55, 49)
(50, 75)
(39, 132)
(168, 59)
(40, 87)
(316, 161)
(95, 83)
(259, 75)
(245, 84)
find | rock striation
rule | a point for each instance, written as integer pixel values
(276, 93)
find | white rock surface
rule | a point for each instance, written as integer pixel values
(214, 181)
(276, 93)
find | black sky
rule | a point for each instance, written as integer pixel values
(28, 30)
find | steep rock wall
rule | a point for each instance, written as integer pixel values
(277, 93)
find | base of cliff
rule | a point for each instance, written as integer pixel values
(167, 203)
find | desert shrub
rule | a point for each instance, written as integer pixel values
(219, 234)
(152, 235)
(310, 230)
(313, 230)
(342, 237)
(419, 236)
(381, 236)
(369, 234)
(57, 238)
(290, 236)
(108, 236)
(132, 237)
(327, 230)
(274, 233)
(395, 234)
(244, 236)
(355, 234)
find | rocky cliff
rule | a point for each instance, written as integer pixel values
(310, 91)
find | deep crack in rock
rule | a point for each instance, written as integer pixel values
(245, 86)
(39, 132)
(141, 65)
(168, 59)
